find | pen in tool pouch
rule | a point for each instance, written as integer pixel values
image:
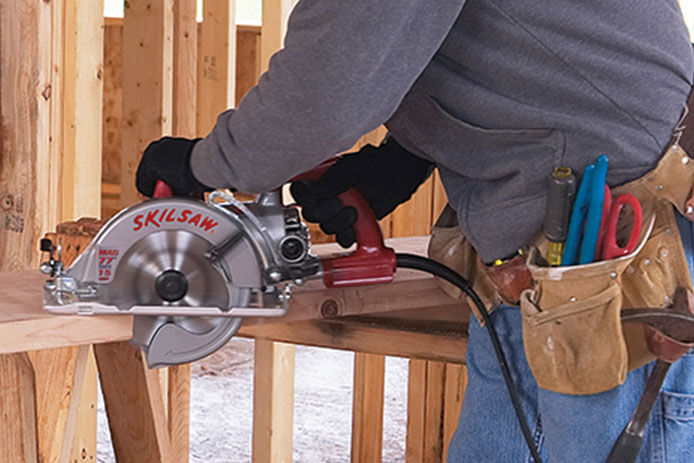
(562, 189)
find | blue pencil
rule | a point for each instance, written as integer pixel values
(578, 214)
(597, 197)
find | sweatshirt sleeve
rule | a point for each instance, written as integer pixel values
(344, 69)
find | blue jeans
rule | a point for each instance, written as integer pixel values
(566, 428)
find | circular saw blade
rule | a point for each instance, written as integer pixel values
(172, 340)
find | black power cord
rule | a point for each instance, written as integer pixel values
(431, 266)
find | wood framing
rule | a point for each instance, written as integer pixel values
(147, 107)
(185, 78)
(82, 78)
(134, 404)
(273, 402)
(367, 408)
(216, 62)
(29, 171)
(17, 441)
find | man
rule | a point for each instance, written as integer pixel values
(495, 94)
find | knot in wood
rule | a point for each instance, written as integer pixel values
(329, 309)
(7, 202)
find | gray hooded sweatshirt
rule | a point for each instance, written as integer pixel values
(496, 92)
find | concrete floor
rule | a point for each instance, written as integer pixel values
(222, 400)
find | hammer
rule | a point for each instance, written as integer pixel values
(676, 322)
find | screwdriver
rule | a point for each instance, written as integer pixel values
(562, 189)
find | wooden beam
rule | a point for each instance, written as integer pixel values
(363, 338)
(82, 98)
(367, 408)
(247, 59)
(454, 392)
(26, 205)
(273, 402)
(185, 57)
(72, 415)
(54, 378)
(179, 412)
(17, 408)
(274, 28)
(134, 404)
(83, 448)
(147, 84)
(217, 62)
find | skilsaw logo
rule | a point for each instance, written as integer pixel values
(157, 217)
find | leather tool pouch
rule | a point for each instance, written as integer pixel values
(449, 246)
(574, 340)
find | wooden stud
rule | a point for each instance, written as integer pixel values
(18, 440)
(134, 404)
(455, 384)
(54, 377)
(273, 402)
(179, 412)
(367, 408)
(274, 28)
(112, 116)
(83, 447)
(147, 108)
(416, 411)
(217, 62)
(26, 208)
(185, 54)
(425, 412)
(247, 59)
(73, 409)
(363, 338)
(82, 110)
(440, 199)
(433, 415)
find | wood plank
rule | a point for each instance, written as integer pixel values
(274, 27)
(185, 57)
(367, 408)
(112, 107)
(454, 393)
(147, 108)
(216, 62)
(25, 108)
(363, 338)
(247, 59)
(24, 325)
(72, 414)
(416, 411)
(433, 407)
(54, 372)
(84, 441)
(134, 404)
(82, 99)
(433, 415)
(179, 412)
(18, 441)
(273, 402)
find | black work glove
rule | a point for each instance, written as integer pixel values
(168, 159)
(386, 176)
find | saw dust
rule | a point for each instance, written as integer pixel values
(222, 407)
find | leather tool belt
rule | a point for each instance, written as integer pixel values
(574, 339)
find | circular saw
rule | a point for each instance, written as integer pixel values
(190, 271)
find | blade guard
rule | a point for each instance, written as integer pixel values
(372, 261)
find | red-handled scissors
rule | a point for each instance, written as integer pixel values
(607, 245)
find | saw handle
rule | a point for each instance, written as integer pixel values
(162, 190)
(372, 261)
